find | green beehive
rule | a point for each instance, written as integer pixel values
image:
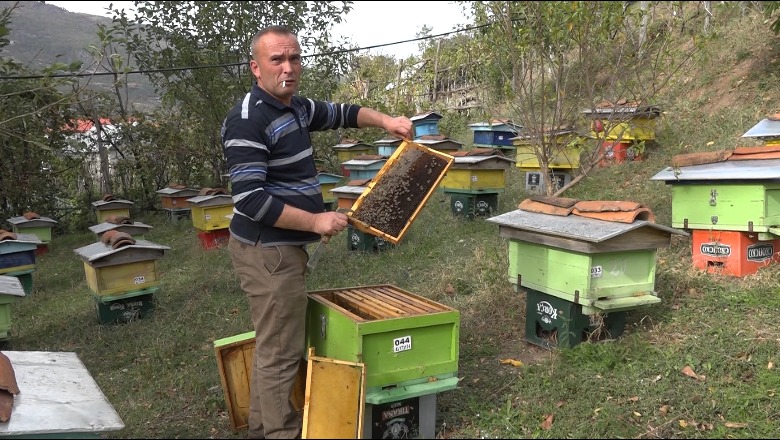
(10, 290)
(118, 309)
(41, 227)
(407, 342)
(728, 196)
(603, 266)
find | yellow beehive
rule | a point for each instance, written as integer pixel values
(106, 209)
(566, 146)
(209, 212)
(475, 172)
(126, 269)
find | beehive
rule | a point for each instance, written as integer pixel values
(425, 123)
(364, 167)
(477, 173)
(176, 198)
(208, 212)
(623, 122)
(401, 337)
(494, 133)
(348, 150)
(731, 196)
(565, 145)
(328, 181)
(106, 209)
(399, 191)
(766, 130)
(386, 147)
(136, 230)
(603, 266)
(19, 254)
(440, 143)
(130, 268)
(40, 227)
(347, 195)
(10, 289)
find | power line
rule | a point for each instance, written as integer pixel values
(243, 63)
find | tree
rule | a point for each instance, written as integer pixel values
(196, 53)
(556, 59)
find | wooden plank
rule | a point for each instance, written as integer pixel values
(390, 310)
(408, 308)
(379, 309)
(335, 392)
(356, 306)
(413, 300)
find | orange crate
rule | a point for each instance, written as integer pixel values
(733, 252)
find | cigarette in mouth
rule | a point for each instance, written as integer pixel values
(284, 84)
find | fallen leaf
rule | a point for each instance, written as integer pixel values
(704, 426)
(664, 409)
(513, 362)
(710, 143)
(656, 379)
(633, 399)
(597, 410)
(735, 425)
(636, 414)
(683, 423)
(547, 424)
(770, 365)
(560, 403)
(688, 371)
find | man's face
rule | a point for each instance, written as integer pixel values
(277, 65)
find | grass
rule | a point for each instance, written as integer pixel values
(160, 373)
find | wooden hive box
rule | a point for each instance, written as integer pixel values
(767, 130)
(136, 230)
(425, 123)
(347, 195)
(440, 143)
(494, 133)
(176, 198)
(604, 266)
(40, 227)
(402, 338)
(623, 123)
(106, 209)
(568, 147)
(730, 196)
(364, 167)
(208, 212)
(10, 289)
(386, 147)
(350, 149)
(477, 173)
(128, 269)
(328, 181)
(18, 255)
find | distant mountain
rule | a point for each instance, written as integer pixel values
(42, 34)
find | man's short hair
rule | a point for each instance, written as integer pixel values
(273, 29)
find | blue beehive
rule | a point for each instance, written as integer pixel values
(364, 167)
(496, 133)
(425, 123)
(386, 147)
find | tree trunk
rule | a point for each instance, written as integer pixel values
(707, 16)
(436, 70)
(105, 168)
(644, 7)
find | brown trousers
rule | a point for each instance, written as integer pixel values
(273, 280)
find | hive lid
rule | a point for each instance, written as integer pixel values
(212, 200)
(763, 169)
(347, 189)
(11, 286)
(21, 220)
(477, 159)
(108, 226)
(765, 128)
(574, 226)
(182, 192)
(101, 203)
(25, 238)
(362, 162)
(96, 251)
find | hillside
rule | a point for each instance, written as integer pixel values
(42, 34)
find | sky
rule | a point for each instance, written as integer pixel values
(369, 23)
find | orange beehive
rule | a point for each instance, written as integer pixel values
(733, 252)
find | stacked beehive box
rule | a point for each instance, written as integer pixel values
(730, 199)
(474, 181)
(581, 272)
(562, 144)
(173, 200)
(209, 217)
(111, 206)
(17, 257)
(123, 274)
(33, 223)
